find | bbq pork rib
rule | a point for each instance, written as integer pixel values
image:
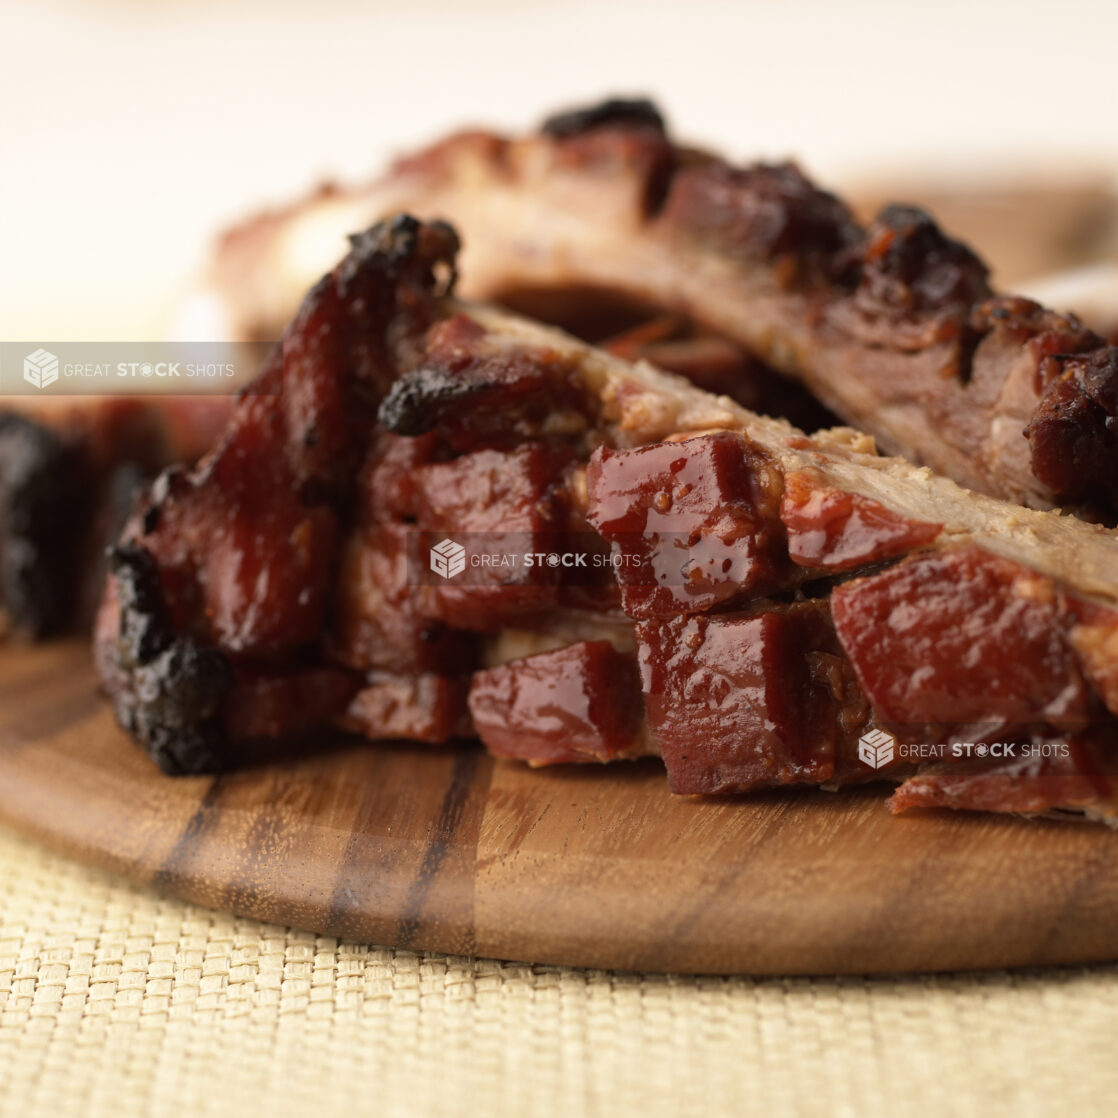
(69, 466)
(754, 605)
(893, 327)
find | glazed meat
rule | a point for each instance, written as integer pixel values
(894, 327)
(432, 519)
(68, 470)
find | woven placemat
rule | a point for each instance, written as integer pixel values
(114, 1001)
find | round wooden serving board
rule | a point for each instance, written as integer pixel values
(447, 849)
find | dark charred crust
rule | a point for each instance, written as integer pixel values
(418, 401)
(483, 405)
(1020, 320)
(397, 247)
(354, 330)
(172, 702)
(1050, 338)
(1073, 434)
(911, 267)
(479, 397)
(388, 243)
(150, 519)
(46, 498)
(613, 112)
(768, 212)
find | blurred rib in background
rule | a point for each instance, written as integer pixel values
(133, 132)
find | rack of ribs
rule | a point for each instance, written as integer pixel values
(755, 605)
(893, 327)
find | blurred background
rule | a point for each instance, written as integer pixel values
(133, 132)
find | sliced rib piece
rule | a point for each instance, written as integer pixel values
(751, 603)
(893, 327)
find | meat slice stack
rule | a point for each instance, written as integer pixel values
(894, 326)
(756, 606)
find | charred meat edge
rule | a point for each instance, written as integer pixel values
(69, 469)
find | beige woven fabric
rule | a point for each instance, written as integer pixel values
(116, 1002)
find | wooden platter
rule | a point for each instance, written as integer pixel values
(449, 850)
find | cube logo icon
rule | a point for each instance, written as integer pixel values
(876, 748)
(448, 558)
(40, 368)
